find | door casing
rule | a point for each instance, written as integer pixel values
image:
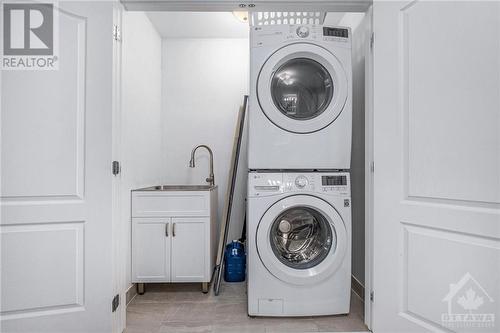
(362, 6)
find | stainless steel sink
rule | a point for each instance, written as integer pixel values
(178, 188)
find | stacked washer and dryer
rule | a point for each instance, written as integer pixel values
(299, 153)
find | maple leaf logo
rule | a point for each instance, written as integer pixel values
(470, 301)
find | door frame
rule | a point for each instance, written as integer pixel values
(361, 6)
(255, 5)
(369, 175)
(119, 241)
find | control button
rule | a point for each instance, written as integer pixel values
(301, 181)
(302, 32)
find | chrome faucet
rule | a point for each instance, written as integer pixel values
(211, 177)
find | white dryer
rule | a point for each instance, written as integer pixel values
(299, 244)
(300, 106)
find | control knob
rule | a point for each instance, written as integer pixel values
(301, 181)
(302, 32)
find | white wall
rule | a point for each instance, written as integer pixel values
(143, 158)
(359, 24)
(204, 81)
(198, 25)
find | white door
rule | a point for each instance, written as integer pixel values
(437, 166)
(56, 256)
(151, 238)
(189, 249)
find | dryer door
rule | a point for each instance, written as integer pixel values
(302, 88)
(301, 240)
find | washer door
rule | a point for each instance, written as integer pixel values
(301, 240)
(302, 88)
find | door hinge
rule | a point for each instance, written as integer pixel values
(117, 34)
(372, 39)
(372, 166)
(115, 303)
(371, 296)
(116, 168)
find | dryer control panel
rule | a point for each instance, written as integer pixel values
(266, 184)
(276, 34)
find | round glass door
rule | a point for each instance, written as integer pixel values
(301, 88)
(301, 237)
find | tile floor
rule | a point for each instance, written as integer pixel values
(182, 308)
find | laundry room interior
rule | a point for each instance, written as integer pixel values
(268, 166)
(184, 79)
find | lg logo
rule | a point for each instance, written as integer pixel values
(28, 29)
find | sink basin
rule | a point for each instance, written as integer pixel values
(178, 188)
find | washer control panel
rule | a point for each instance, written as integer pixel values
(270, 183)
(324, 182)
(336, 183)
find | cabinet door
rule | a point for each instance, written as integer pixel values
(151, 250)
(189, 249)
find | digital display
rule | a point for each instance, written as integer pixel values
(333, 180)
(335, 32)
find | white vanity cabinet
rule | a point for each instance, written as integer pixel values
(173, 234)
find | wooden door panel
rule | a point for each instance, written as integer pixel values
(56, 218)
(437, 158)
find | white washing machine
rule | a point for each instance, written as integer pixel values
(300, 106)
(299, 244)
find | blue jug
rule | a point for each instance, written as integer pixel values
(234, 262)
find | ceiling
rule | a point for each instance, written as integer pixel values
(209, 24)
